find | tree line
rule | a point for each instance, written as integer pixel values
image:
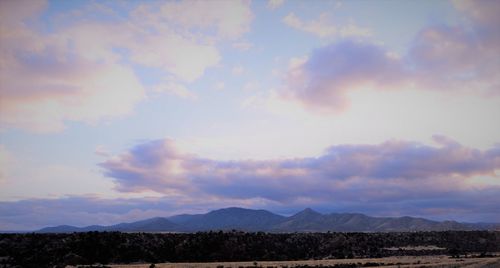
(49, 250)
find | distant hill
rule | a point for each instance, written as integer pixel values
(306, 220)
(149, 225)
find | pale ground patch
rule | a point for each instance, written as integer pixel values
(417, 248)
(403, 261)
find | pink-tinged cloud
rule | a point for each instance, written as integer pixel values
(47, 79)
(322, 81)
(324, 27)
(82, 70)
(465, 57)
(459, 58)
(391, 171)
(230, 19)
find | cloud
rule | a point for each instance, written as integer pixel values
(219, 85)
(44, 80)
(393, 178)
(229, 18)
(274, 4)
(46, 102)
(243, 45)
(323, 27)
(175, 89)
(394, 171)
(250, 86)
(179, 56)
(83, 68)
(101, 150)
(482, 12)
(238, 70)
(322, 80)
(462, 58)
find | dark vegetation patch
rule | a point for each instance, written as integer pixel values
(57, 250)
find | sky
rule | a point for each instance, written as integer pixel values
(116, 111)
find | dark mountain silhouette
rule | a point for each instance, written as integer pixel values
(233, 218)
(150, 225)
(307, 220)
(183, 218)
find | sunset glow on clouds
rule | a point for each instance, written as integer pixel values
(118, 111)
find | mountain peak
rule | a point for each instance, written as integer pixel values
(309, 211)
(231, 210)
(307, 214)
(233, 218)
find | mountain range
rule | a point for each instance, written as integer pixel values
(306, 220)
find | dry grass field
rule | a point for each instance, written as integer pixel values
(404, 261)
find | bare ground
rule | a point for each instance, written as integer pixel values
(403, 261)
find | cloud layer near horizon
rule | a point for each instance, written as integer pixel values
(32, 214)
(394, 171)
(444, 181)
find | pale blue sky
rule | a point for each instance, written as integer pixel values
(238, 82)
